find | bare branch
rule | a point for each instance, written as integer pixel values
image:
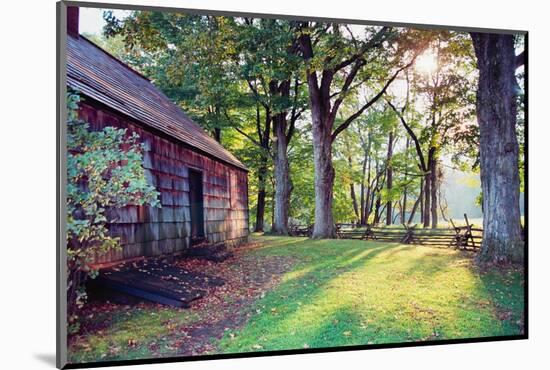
(345, 87)
(412, 135)
(353, 39)
(375, 41)
(256, 142)
(351, 118)
(255, 91)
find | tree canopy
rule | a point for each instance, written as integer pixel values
(337, 122)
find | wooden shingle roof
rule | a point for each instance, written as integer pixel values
(100, 76)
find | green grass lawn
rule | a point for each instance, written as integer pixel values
(334, 293)
(346, 292)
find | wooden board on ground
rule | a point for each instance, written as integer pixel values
(156, 280)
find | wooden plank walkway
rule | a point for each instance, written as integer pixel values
(156, 280)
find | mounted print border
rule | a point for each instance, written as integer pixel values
(184, 205)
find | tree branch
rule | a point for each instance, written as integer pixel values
(256, 142)
(375, 41)
(255, 91)
(351, 118)
(412, 135)
(345, 87)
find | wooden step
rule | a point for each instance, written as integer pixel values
(155, 280)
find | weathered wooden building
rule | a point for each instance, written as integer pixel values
(203, 187)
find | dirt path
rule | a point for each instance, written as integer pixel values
(228, 307)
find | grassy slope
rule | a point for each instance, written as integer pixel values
(337, 292)
(347, 292)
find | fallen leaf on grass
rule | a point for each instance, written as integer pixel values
(506, 315)
(114, 350)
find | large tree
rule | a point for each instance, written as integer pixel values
(440, 104)
(337, 62)
(270, 66)
(499, 149)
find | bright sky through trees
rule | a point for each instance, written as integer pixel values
(426, 63)
(92, 22)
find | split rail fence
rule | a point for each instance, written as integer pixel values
(465, 237)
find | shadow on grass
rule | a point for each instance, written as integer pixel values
(319, 303)
(309, 280)
(506, 291)
(432, 264)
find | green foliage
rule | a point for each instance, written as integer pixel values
(113, 45)
(104, 171)
(190, 57)
(302, 200)
(225, 73)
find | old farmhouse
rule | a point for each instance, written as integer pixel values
(203, 187)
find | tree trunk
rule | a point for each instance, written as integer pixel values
(323, 179)
(499, 149)
(352, 191)
(421, 198)
(283, 183)
(389, 179)
(404, 204)
(322, 122)
(365, 216)
(362, 195)
(260, 206)
(433, 191)
(429, 186)
(217, 134)
(415, 206)
(426, 199)
(272, 206)
(354, 201)
(377, 210)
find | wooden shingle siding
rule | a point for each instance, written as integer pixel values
(149, 231)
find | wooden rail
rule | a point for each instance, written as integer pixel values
(461, 237)
(300, 230)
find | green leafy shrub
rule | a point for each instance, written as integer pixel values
(104, 170)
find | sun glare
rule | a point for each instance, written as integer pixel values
(426, 63)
